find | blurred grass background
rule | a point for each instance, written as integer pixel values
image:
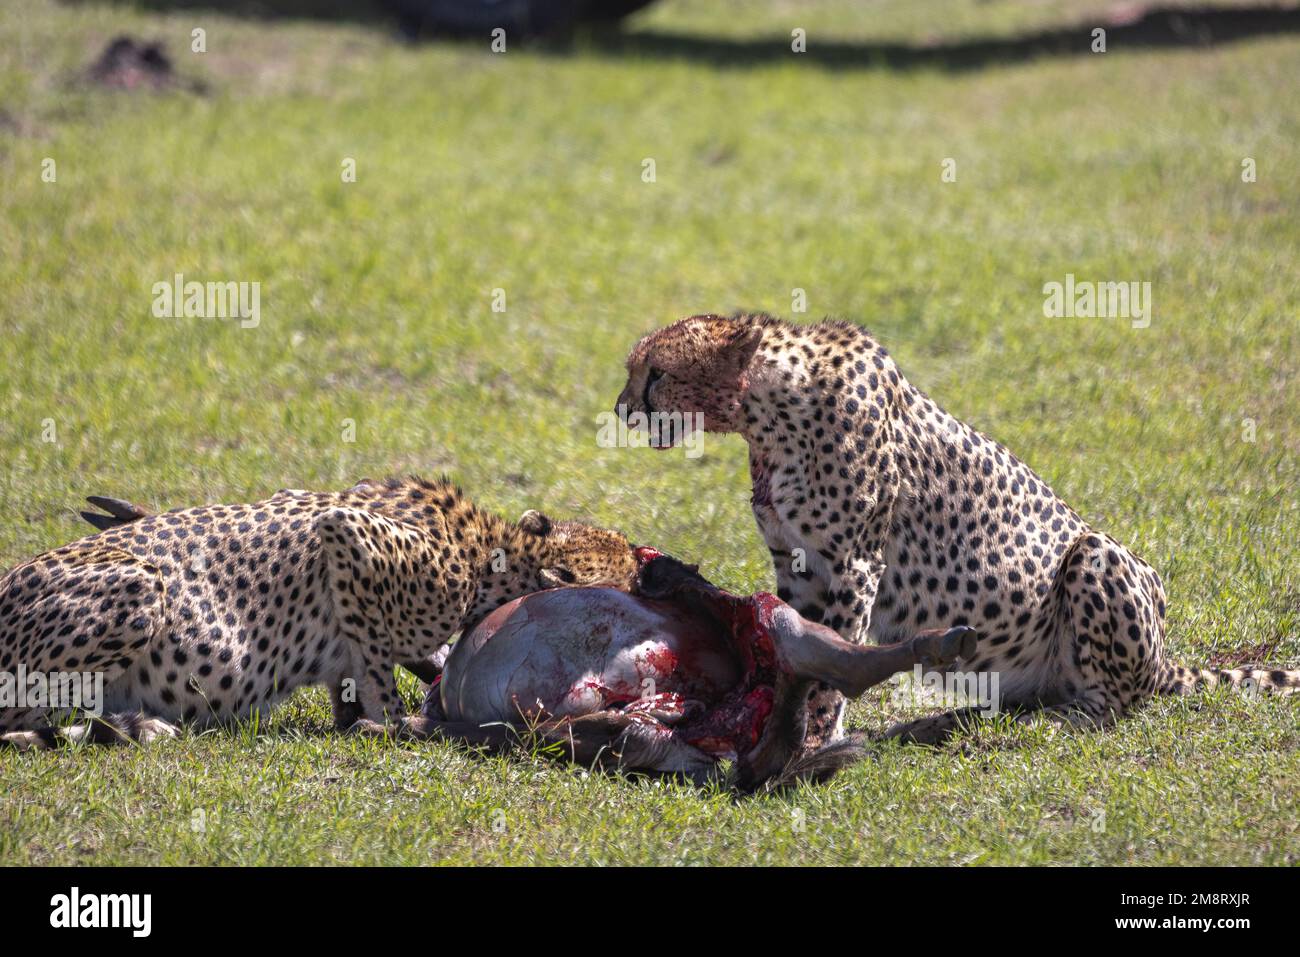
(522, 172)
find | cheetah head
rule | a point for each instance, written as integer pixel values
(573, 553)
(693, 371)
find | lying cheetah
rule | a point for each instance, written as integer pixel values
(885, 514)
(206, 615)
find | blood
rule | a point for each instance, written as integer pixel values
(733, 719)
(734, 725)
(696, 670)
(667, 707)
(660, 662)
(646, 554)
(679, 654)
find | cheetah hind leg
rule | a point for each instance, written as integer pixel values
(94, 612)
(1092, 710)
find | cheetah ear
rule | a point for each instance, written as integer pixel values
(555, 577)
(740, 344)
(535, 523)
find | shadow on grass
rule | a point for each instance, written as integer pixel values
(1133, 27)
(1136, 28)
(339, 11)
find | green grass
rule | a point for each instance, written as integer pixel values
(523, 172)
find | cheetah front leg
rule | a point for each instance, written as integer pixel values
(839, 594)
(851, 594)
(797, 586)
(802, 577)
(368, 691)
(365, 690)
(806, 592)
(800, 586)
(368, 559)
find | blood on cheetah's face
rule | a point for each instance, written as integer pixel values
(575, 553)
(693, 371)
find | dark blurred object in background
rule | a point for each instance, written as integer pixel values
(127, 64)
(519, 18)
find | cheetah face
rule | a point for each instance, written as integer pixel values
(579, 554)
(693, 371)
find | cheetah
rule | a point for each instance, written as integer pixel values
(884, 514)
(206, 615)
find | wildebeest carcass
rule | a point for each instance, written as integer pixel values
(674, 679)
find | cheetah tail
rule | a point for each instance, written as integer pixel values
(120, 512)
(125, 728)
(1183, 680)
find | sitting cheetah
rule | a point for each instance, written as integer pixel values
(885, 514)
(209, 614)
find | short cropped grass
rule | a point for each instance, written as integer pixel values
(523, 173)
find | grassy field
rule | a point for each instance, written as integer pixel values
(523, 173)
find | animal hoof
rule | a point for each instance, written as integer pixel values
(958, 642)
(946, 647)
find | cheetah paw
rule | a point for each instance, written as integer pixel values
(366, 728)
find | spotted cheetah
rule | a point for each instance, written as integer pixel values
(210, 614)
(885, 514)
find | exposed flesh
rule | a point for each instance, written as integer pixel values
(693, 671)
(576, 651)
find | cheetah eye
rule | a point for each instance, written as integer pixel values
(654, 376)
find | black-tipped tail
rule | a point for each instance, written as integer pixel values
(120, 512)
(1180, 679)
